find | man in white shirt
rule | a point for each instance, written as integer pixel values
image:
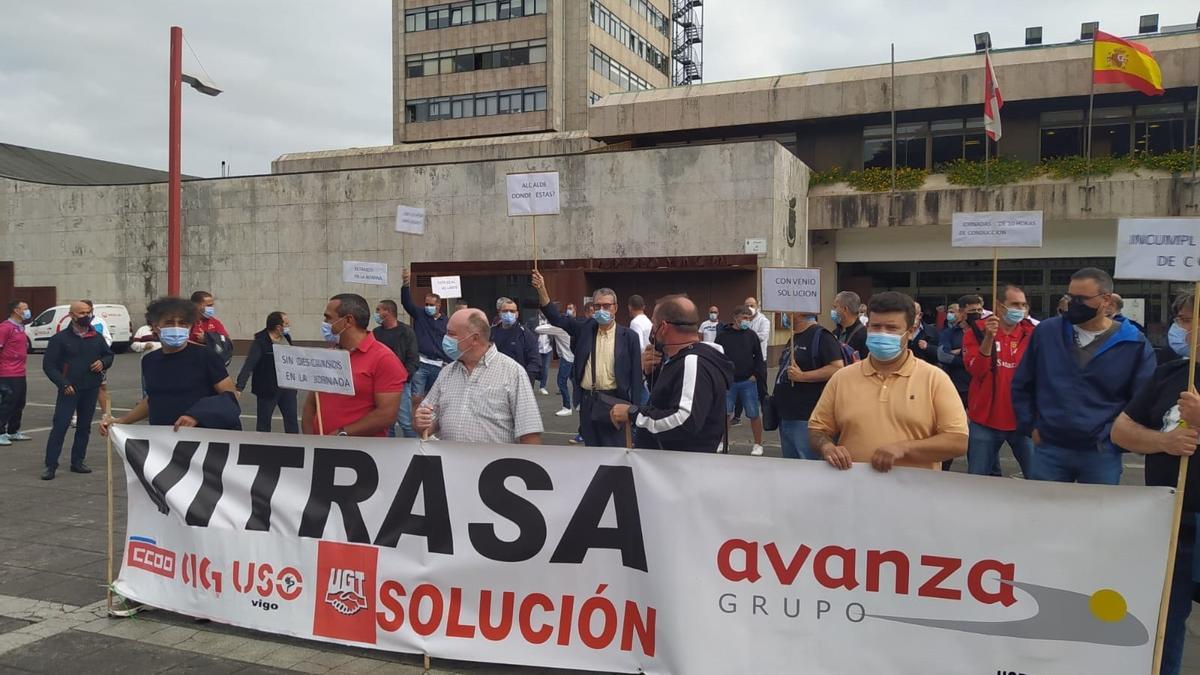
(638, 320)
(708, 329)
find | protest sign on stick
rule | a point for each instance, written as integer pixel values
(533, 195)
(997, 229)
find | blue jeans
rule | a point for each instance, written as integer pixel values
(423, 379)
(1179, 606)
(82, 404)
(1064, 465)
(404, 414)
(564, 381)
(983, 450)
(793, 435)
(545, 376)
(744, 393)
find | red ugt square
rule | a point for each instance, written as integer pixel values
(345, 593)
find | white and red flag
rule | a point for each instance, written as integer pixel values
(992, 100)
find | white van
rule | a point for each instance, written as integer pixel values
(45, 325)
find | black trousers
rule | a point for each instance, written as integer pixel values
(285, 399)
(598, 433)
(12, 403)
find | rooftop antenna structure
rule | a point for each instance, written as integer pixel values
(687, 41)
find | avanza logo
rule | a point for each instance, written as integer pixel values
(143, 553)
(345, 601)
(345, 592)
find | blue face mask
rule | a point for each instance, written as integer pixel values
(1014, 316)
(1177, 340)
(508, 318)
(744, 325)
(173, 336)
(885, 346)
(835, 316)
(378, 318)
(450, 346)
(571, 313)
(603, 317)
(327, 332)
(950, 317)
(287, 330)
(430, 311)
(25, 315)
(210, 312)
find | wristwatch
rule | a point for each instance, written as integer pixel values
(341, 432)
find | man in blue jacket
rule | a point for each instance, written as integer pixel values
(75, 361)
(1080, 371)
(608, 363)
(515, 340)
(430, 326)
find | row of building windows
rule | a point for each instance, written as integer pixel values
(465, 13)
(629, 37)
(1158, 128)
(476, 105)
(476, 58)
(616, 73)
(650, 13)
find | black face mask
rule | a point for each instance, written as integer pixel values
(659, 345)
(972, 317)
(1079, 312)
(84, 322)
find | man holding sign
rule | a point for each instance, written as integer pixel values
(378, 375)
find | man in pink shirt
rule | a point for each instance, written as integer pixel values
(13, 354)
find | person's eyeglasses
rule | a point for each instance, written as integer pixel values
(603, 305)
(1085, 298)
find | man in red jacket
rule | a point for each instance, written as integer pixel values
(992, 350)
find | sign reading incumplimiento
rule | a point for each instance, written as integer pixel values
(314, 369)
(532, 194)
(791, 289)
(997, 229)
(1158, 248)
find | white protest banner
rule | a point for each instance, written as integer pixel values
(314, 369)
(410, 220)
(373, 273)
(532, 194)
(997, 229)
(447, 287)
(1158, 248)
(641, 561)
(796, 289)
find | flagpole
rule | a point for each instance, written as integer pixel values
(1196, 133)
(987, 74)
(1091, 98)
(892, 91)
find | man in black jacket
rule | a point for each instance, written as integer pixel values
(260, 364)
(402, 340)
(514, 340)
(689, 380)
(924, 342)
(744, 350)
(75, 361)
(607, 363)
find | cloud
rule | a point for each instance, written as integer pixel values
(90, 78)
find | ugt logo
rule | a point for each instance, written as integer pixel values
(345, 592)
(344, 604)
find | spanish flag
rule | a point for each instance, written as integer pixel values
(1117, 61)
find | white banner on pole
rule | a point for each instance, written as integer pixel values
(997, 229)
(642, 561)
(410, 220)
(357, 272)
(796, 289)
(314, 369)
(532, 194)
(1158, 248)
(447, 287)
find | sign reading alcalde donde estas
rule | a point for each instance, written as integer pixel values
(997, 228)
(1167, 249)
(532, 194)
(608, 559)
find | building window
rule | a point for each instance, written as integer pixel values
(910, 145)
(616, 73)
(476, 58)
(466, 13)
(476, 105)
(1111, 131)
(1062, 133)
(1162, 128)
(650, 13)
(630, 38)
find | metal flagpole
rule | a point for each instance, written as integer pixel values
(892, 91)
(1091, 98)
(1180, 484)
(111, 530)
(1196, 132)
(987, 74)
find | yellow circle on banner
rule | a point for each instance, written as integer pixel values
(1108, 605)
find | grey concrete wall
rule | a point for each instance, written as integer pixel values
(278, 242)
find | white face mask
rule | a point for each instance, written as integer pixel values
(753, 311)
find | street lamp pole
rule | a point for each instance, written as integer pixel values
(174, 244)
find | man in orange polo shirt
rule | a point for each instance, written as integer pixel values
(379, 376)
(891, 409)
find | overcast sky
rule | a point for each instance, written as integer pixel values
(90, 78)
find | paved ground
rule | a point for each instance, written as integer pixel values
(52, 570)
